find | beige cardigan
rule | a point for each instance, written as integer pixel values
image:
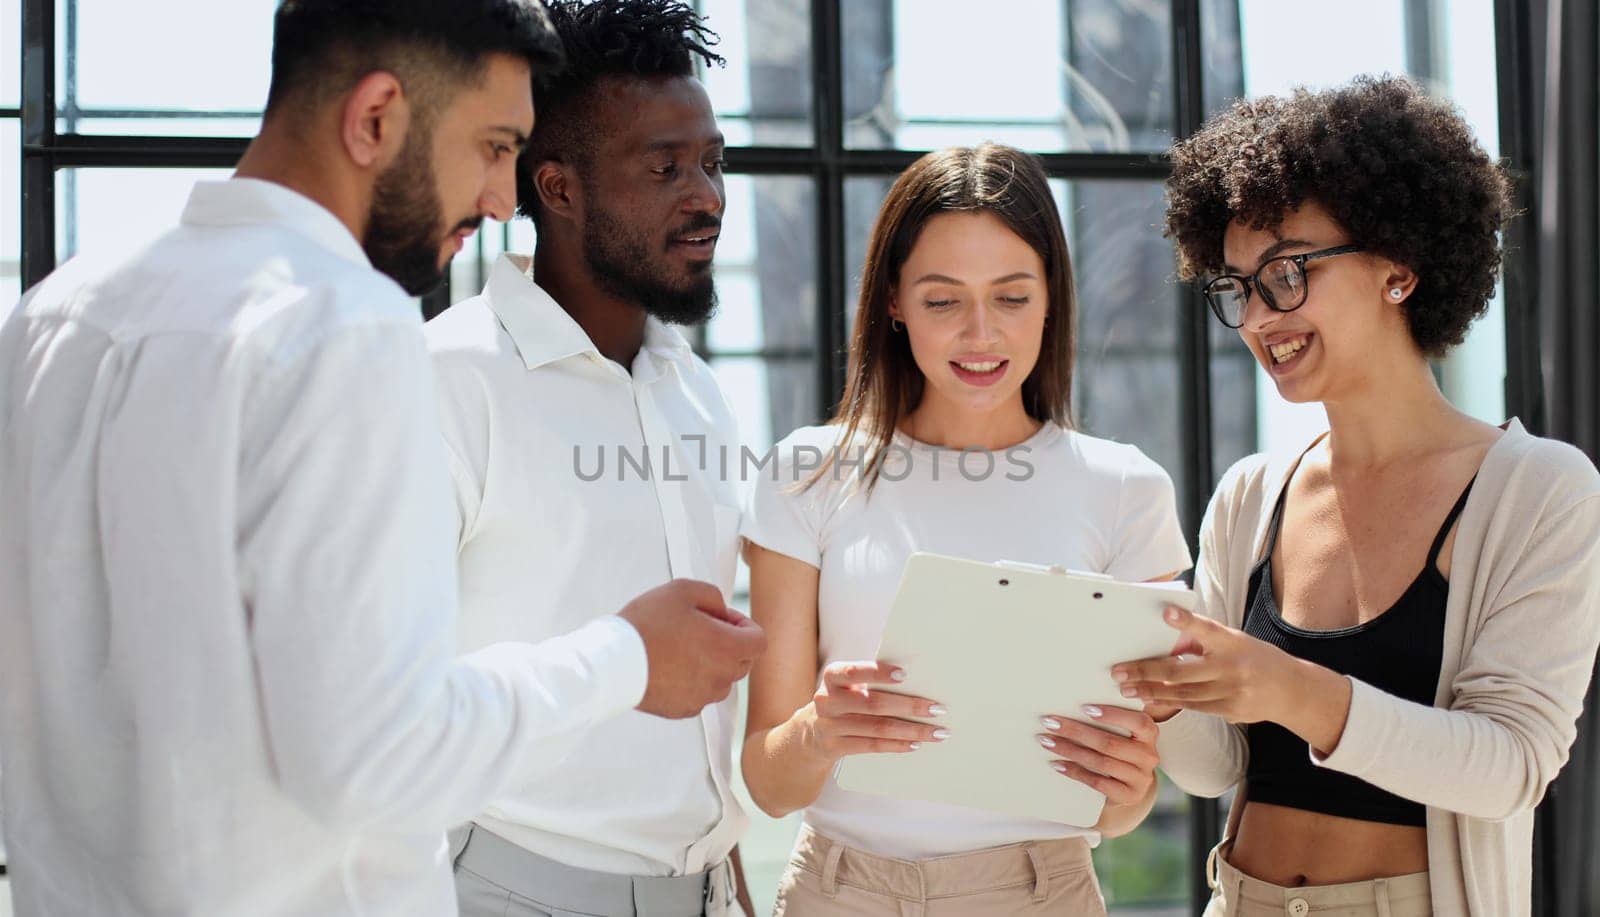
(1522, 624)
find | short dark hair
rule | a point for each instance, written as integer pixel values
(638, 39)
(1400, 171)
(321, 48)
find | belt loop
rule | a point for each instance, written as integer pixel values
(1041, 876)
(830, 870)
(1213, 874)
(459, 840)
(1380, 891)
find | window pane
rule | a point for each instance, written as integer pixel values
(1147, 872)
(763, 96)
(118, 209)
(163, 56)
(11, 72)
(767, 267)
(1084, 75)
(1259, 47)
(10, 215)
(770, 398)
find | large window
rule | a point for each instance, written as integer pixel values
(120, 106)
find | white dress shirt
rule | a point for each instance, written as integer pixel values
(227, 587)
(530, 409)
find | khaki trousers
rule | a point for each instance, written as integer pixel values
(1234, 894)
(1041, 877)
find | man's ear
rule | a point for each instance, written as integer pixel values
(374, 120)
(558, 187)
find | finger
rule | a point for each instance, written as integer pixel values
(1137, 723)
(1175, 669)
(742, 642)
(702, 595)
(1096, 761)
(878, 702)
(1100, 732)
(859, 725)
(723, 613)
(1199, 628)
(846, 674)
(856, 745)
(1179, 695)
(1115, 791)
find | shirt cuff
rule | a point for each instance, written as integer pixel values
(1176, 731)
(616, 653)
(1360, 731)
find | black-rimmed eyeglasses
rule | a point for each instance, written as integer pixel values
(1281, 282)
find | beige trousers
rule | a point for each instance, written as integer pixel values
(1234, 894)
(1041, 877)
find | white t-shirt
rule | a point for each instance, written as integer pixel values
(1060, 497)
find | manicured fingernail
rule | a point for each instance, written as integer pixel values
(1051, 722)
(1130, 691)
(941, 734)
(937, 710)
(1093, 711)
(915, 745)
(1060, 767)
(1120, 675)
(897, 675)
(1173, 614)
(1047, 742)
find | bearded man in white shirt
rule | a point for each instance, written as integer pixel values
(227, 582)
(566, 394)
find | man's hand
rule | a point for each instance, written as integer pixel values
(697, 647)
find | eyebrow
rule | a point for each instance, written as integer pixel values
(941, 278)
(1271, 253)
(657, 146)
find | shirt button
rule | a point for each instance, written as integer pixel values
(1298, 907)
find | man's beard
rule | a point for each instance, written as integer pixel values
(402, 227)
(621, 260)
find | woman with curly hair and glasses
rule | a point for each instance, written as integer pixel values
(1399, 619)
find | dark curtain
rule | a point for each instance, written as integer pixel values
(1554, 345)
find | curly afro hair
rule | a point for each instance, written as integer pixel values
(638, 39)
(1401, 172)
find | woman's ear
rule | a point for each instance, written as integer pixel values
(1398, 284)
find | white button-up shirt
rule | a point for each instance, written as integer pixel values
(581, 485)
(227, 587)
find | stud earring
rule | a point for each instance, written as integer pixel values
(1396, 292)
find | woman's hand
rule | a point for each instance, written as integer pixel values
(1123, 769)
(849, 715)
(1233, 675)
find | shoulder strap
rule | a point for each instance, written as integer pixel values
(1449, 520)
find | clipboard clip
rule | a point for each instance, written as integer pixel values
(1052, 569)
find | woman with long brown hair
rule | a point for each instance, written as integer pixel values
(954, 437)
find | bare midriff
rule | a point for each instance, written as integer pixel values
(1295, 847)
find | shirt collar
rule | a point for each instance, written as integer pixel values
(543, 332)
(250, 201)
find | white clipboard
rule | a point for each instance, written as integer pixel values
(1001, 645)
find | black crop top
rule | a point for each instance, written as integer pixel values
(1400, 651)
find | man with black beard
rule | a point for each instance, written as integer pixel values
(587, 442)
(227, 583)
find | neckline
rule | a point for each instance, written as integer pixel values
(1048, 431)
(1428, 575)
